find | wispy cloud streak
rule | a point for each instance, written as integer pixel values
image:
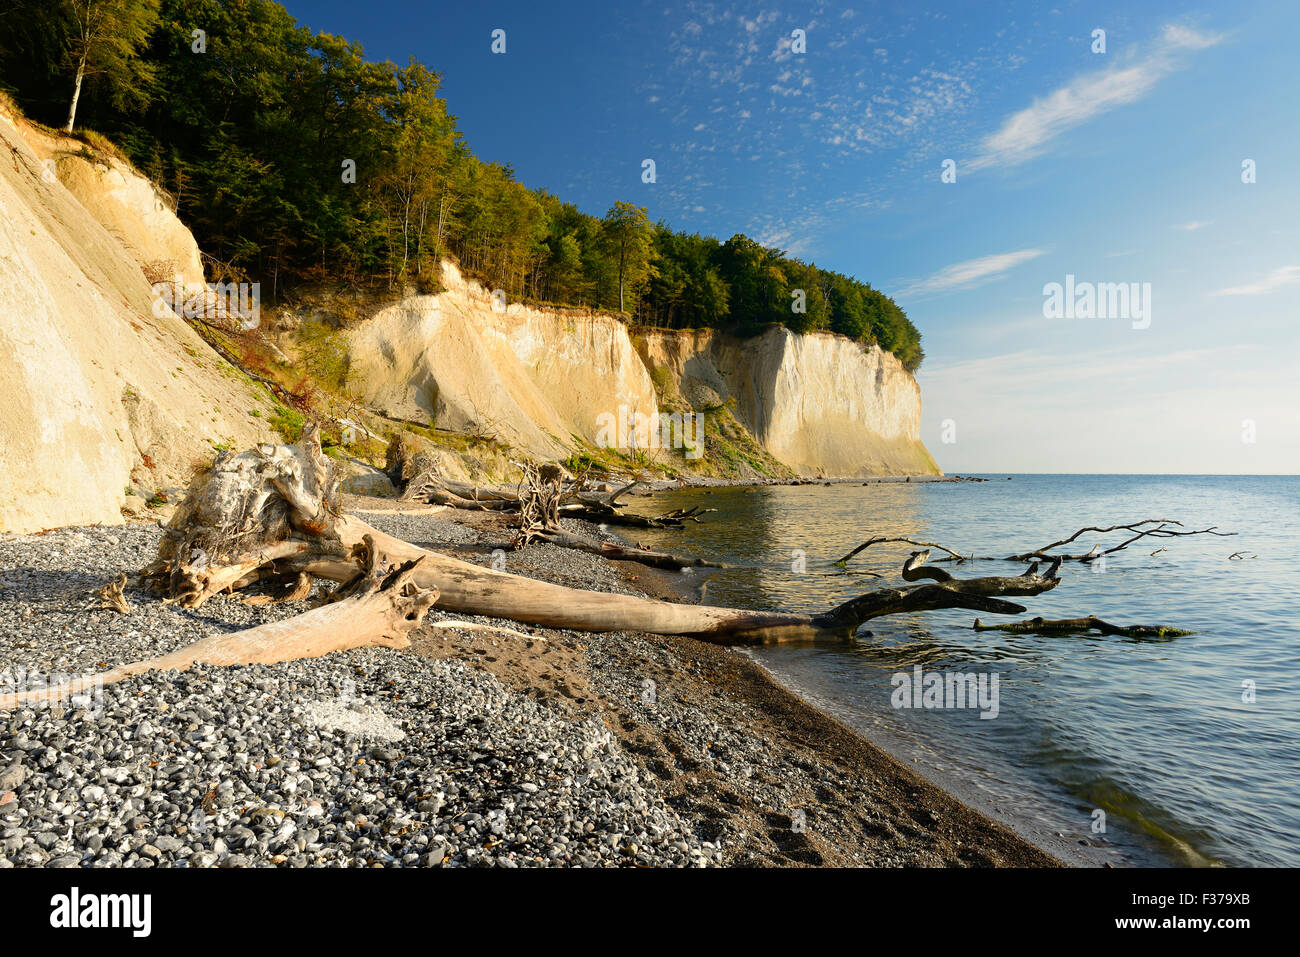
(1030, 132)
(1284, 276)
(968, 274)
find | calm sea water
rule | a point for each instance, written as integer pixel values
(1155, 734)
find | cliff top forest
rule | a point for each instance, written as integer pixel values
(251, 137)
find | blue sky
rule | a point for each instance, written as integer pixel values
(1123, 166)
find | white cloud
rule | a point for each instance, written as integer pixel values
(972, 272)
(1028, 133)
(1193, 225)
(1284, 276)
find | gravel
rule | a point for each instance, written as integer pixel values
(235, 767)
(371, 757)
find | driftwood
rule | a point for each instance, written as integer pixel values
(272, 514)
(1147, 528)
(110, 596)
(906, 541)
(1071, 626)
(381, 607)
(429, 487)
(980, 594)
(547, 487)
(622, 553)
(297, 591)
(541, 494)
(471, 589)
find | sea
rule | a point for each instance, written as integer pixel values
(1176, 751)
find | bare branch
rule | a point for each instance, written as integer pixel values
(1141, 529)
(906, 541)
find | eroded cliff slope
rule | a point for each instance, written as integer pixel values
(547, 381)
(534, 378)
(99, 393)
(820, 403)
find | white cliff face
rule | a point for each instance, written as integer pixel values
(842, 409)
(125, 203)
(822, 404)
(99, 391)
(534, 378)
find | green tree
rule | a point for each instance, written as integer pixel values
(106, 40)
(249, 138)
(629, 237)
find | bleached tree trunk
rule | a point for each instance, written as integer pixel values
(381, 609)
(76, 93)
(273, 513)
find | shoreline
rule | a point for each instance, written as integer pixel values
(650, 486)
(823, 738)
(938, 769)
(418, 759)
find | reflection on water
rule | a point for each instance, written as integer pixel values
(1153, 733)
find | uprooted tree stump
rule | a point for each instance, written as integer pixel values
(264, 514)
(541, 496)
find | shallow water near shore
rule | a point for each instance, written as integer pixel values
(1154, 733)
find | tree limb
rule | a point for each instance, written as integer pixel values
(1045, 626)
(1161, 530)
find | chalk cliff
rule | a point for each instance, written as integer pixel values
(540, 378)
(821, 403)
(99, 393)
(535, 378)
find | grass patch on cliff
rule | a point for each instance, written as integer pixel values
(323, 352)
(730, 450)
(287, 422)
(617, 462)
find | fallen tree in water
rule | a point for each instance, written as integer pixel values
(1147, 528)
(273, 513)
(1076, 626)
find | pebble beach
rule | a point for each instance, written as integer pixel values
(469, 748)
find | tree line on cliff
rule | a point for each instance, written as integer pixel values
(294, 158)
